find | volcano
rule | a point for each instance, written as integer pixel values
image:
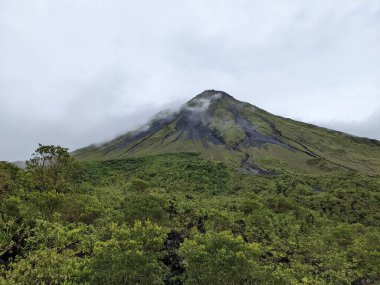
(220, 128)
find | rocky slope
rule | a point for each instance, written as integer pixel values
(243, 136)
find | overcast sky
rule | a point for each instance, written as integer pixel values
(75, 72)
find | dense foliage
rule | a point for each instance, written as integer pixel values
(178, 219)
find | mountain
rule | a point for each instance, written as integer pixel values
(221, 128)
(19, 163)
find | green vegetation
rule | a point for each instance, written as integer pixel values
(229, 130)
(180, 219)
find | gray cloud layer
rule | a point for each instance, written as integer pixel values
(76, 72)
(369, 127)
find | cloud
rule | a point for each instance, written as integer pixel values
(200, 105)
(370, 127)
(76, 72)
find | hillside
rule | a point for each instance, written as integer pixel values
(244, 137)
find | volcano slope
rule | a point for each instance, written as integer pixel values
(165, 205)
(243, 136)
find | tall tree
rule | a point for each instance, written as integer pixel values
(51, 167)
(8, 177)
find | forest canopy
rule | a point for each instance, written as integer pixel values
(180, 219)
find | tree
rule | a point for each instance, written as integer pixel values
(221, 258)
(51, 167)
(48, 266)
(131, 256)
(148, 206)
(9, 175)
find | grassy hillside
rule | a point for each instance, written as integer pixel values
(180, 219)
(244, 137)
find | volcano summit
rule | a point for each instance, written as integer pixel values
(221, 128)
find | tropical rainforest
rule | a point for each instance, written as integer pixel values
(254, 200)
(179, 219)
